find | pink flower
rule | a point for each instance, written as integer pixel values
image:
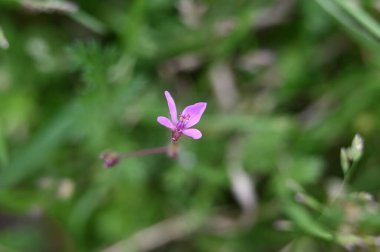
(188, 118)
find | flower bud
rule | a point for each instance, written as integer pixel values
(357, 147)
(110, 159)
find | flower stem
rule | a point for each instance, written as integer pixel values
(111, 159)
(145, 152)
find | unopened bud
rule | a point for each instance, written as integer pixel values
(110, 159)
(357, 147)
(352, 154)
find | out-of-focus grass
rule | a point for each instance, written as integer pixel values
(288, 83)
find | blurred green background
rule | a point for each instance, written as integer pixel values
(287, 82)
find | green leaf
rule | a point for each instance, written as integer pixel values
(353, 24)
(3, 149)
(88, 21)
(4, 44)
(306, 170)
(361, 16)
(85, 208)
(305, 221)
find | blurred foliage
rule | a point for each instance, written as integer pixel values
(288, 84)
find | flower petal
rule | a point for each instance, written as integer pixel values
(195, 112)
(166, 122)
(172, 107)
(193, 133)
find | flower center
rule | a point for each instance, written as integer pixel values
(181, 125)
(183, 119)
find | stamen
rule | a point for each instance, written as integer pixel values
(183, 119)
(181, 124)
